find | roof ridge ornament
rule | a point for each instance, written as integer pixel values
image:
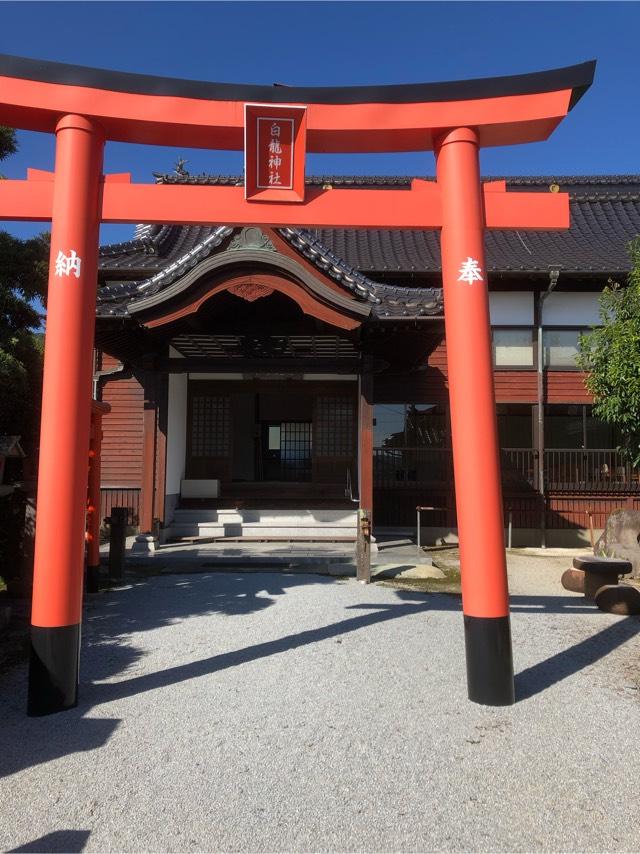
(251, 237)
(179, 167)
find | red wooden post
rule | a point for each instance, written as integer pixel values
(93, 497)
(365, 472)
(148, 466)
(66, 406)
(162, 391)
(485, 595)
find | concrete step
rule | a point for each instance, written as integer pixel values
(267, 524)
(239, 529)
(268, 516)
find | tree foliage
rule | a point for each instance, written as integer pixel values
(23, 278)
(8, 143)
(611, 355)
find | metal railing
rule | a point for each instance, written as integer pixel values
(565, 469)
(590, 470)
(519, 468)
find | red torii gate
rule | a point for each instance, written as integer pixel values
(85, 107)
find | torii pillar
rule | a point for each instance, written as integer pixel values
(66, 412)
(85, 106)
(474, 432)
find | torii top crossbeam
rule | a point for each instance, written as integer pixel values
(504, 110)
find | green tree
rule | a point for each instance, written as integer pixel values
(7, 142)
(611, 355)
(23, 278)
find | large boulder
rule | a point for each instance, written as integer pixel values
(621, 538)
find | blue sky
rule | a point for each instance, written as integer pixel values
(347, 44)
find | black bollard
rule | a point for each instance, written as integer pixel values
(93, 579)
(117, 541)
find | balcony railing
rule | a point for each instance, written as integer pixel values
(565, 469)
(519, 468)
(589, 470)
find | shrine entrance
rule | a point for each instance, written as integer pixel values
(275, 126)
(273, 437)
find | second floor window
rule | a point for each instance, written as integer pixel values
(561, 346)
(512, 348)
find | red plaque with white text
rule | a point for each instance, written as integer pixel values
(274, 152)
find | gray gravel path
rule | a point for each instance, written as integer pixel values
(264, 712)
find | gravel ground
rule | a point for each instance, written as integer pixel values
(266, 712)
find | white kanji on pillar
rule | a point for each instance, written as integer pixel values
(68, 264)
(470, 271)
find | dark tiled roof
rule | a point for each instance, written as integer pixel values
(567, 183)
(601, 226)
(605, 215)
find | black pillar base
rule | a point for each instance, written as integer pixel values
(489, 660)
(93, 579)
(53, 669)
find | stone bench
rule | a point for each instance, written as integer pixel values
(621, 599)
(590, 573)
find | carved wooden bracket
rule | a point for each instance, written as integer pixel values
(250, 291)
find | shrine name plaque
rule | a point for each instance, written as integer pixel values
(274, 153)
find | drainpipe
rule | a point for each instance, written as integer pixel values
(100, 377)
(554, 275)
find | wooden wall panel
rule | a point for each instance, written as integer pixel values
(516, 386)
(566, 387)
(571, 511)
(122, 429)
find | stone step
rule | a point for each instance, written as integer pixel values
(280, 518)
(239, 529)
(275, 524)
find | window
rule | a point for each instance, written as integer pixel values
(410, 445)
(210, 426)
(335, 426)
(515, 426)
(388, 425)
(575, 427)
(513, 348)
(295, 451)
(560, 347)
(409, 425)
(563, 426)
(599, 434)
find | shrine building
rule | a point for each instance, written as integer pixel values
(239, 364)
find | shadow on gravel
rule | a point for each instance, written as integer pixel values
(27, 742)
(551, 605)
(109, 624)
(96, 694)
(543, 675)
(71, 841)
(113, 620)
(117, 615)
